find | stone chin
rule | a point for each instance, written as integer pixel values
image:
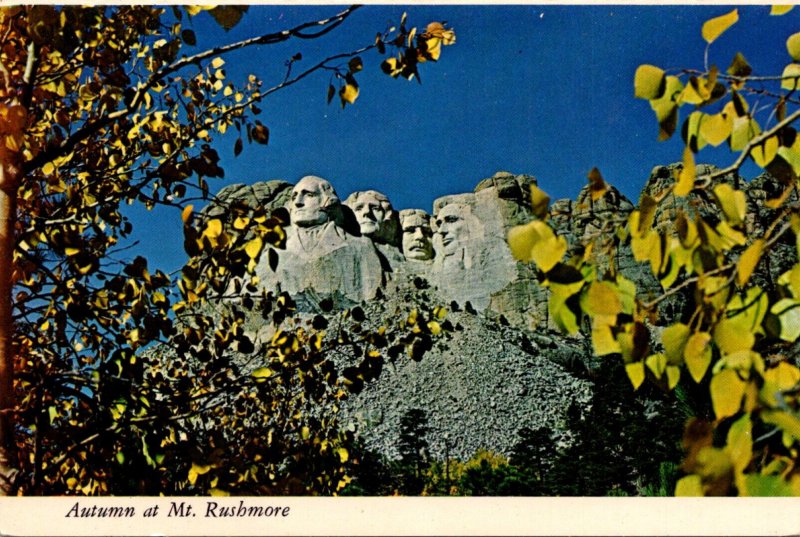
(368, 227)
(307, 217)
(418, 254)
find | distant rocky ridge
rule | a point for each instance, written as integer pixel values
(506, 368)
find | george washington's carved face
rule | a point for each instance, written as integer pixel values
(312, 197)
(417, 235)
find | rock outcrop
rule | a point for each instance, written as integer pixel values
(504, 369)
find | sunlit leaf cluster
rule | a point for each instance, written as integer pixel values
(737, 335)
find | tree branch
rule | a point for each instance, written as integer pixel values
(704, 180)
(267, 39)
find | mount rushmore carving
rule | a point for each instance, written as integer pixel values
(357, 247)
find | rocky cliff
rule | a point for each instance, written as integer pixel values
(504, 368)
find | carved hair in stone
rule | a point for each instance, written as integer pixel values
(376, 217)
(320, 254)
(417, 234)
(313, 202)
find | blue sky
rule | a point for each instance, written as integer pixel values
(542, 90)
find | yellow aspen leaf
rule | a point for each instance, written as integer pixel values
(197, 470)
(715, 128)
(648, 248)
(697, 354)
(549, 252)
(648, 82)
(674, 339)
(687, 175)
(748, 262)
(729, 236)
(689, 486)
(603, 340)
(186, 214)
(673, 376)
(744, 129)
(792, 157)
(726, 390)
(348, 94)
(730, 338)
(539, 201)
(216, 63)
(657, 364)
(48, 168)
(602, 299)
(213, 228)
(778, 10)
(253, 247)
(732, 202)
(691, 93)
(739, 446)
(635, 373)
(790, 75)
(343, 454)
(787, 422)
(715, 27)
(765, 152)
(434, 327)
(218, 492)
(788, 312)
(785, 376)
(793, 46)
(793, 280)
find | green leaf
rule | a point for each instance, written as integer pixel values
(726, 390)
(649, 82)
(715, 27)
(766, 485)
(697, 354)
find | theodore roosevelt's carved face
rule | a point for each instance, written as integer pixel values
(312, 197)
(417, 235)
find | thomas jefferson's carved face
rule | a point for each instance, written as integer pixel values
(371, 212)
(452, 227)
(310, 199)
(417, 235)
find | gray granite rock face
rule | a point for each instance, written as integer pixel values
(504, 369)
